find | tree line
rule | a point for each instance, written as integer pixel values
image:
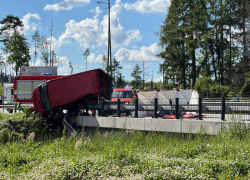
(206, 41)
(16, 49)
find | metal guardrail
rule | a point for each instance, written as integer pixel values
(210, 108)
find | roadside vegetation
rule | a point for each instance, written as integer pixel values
(28, 151)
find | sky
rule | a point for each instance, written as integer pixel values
(82, 24)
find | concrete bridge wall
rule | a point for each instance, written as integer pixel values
(151, 124)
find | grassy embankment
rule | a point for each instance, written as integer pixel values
(28, 152)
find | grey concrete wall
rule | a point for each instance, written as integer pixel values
(152, 124)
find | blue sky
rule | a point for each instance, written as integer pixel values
(81, 24)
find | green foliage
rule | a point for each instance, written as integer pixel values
(194, 45)
(136, 74)
(19, 51)
(127, 154)
(219, 89)
(44, 49)
(203, 84)
(26, 112)
(1, 90)
(246, 87)
(36, 39)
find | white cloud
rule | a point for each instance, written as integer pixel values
(144, 53)
(63, 66)
(84, 32)
(2, 55)
(93, 59)
(128, 67)
(66, 5)
(30, 26)
(55, 43)
(148, 6)
(93, 33)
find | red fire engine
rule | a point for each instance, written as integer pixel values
(25, 85)
(125, 94)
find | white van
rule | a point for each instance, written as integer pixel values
(8, 94)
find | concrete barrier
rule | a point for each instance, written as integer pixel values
(151, 124)
(195, 126)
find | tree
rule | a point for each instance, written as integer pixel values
(19, 51)
(71, 67)
(36, 39)
(162, 69)
(53, 57)
(136, 74)
(1, 64)
(120, 81)
(9, 27)
(50, 44)
(44, 49)
(1, 59)
(86, 54)
(104, 62)
(172, 38)
(201, 38)
(115, 68)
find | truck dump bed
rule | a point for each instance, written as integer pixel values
(73, 88)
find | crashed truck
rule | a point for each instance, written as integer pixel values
(58, 99)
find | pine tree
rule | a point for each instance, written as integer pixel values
(19, 52)
(136, 74)
(36, 38)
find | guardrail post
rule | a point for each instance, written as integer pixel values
(177, 113)
(102, 108)
(156, 107)
(223, 108)
(200, 108)
(136, 107)
(118, 107)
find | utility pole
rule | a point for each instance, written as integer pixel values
(109, 34)
(109, 61)
(152, 86)
(143, 74)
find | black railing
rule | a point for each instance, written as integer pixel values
(201, 108)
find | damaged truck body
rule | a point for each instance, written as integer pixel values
(71, 93)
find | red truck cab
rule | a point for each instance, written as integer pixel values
(124, 94)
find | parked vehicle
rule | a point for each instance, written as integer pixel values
(125, 94)
(25, 85)
(8, 94)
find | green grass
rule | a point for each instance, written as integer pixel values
(122, 155)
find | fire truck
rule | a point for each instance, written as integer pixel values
(25, 85)
(125, 94)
